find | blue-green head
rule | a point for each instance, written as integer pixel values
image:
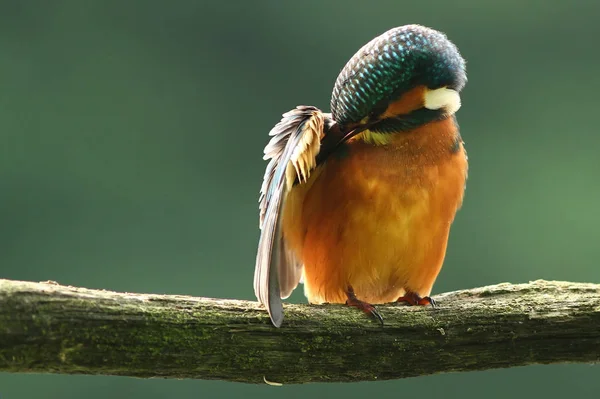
(401, 60)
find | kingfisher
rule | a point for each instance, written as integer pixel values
(357, 203)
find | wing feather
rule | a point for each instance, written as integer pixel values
(292, 152)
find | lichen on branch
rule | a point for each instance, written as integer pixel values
(50, 328)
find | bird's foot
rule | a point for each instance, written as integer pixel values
(414, 299)
(364, 306)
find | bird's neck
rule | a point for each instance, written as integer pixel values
(375, 138)
(438, 137)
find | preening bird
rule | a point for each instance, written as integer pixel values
(358, 203)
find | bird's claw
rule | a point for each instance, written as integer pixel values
(364, 306)
(414, 299)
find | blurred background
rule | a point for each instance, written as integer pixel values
(131, 137)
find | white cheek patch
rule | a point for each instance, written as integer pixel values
(443, 98)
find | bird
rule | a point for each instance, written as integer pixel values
(357, 203)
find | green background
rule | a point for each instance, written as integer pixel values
(131, 136)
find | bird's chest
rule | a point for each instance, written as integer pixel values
(374, 214)
(387, 190)
(398, 180)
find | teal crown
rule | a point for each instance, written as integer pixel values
(391, 64)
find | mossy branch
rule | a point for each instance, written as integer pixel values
(49, 328)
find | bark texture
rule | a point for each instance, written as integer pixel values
(49, 328)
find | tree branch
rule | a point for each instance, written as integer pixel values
(49, 328)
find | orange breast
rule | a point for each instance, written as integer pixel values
(378, 217)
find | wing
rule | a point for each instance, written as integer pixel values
(295, 143)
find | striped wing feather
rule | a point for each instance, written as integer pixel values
(292, 152)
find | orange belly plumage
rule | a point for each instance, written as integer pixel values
(377, 217)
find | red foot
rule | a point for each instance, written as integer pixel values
(364, 306)
(414, 299)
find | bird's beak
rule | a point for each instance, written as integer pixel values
(354, 132)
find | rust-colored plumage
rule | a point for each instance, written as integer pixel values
(360, 203)
(378, 218)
